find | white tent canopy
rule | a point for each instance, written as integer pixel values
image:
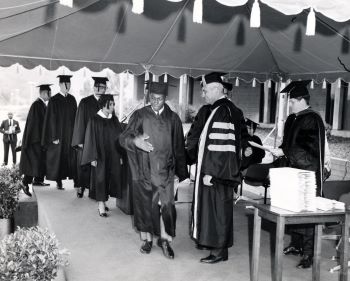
(164, 38)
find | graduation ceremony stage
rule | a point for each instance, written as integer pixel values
(107, 249)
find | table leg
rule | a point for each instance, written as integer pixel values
(256, 245)
(277, 272)
(344, 253)
(317, 253)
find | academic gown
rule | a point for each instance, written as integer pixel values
(101, 145)
(87, 108)
(33, 156)
(59, 124)
(153, 173)
(193, 135)
(303, 143)
(219, 156)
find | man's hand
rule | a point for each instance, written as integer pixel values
(56, 141)
(248, 151)
(80, 145)
(142, 144)
(94, 163)
(207, 179)
(277, 152)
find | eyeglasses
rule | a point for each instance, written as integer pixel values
(160, 99)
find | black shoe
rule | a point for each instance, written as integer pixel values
(80, 192)
(305, 262)
(41, 184)
(167, 250)
(291, 250)
(106, 209)
(104, 215)
(211, 259)
(146, 247)
(25, 189)
(59, 185)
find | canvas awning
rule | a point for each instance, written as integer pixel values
(164, 39)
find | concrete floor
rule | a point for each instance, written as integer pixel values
(107, 249)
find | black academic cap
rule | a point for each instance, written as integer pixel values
(157, 88)
(297, 89)
(251, 123)
(100, 80)
(214, 77)
(44, 87)
(64, 78)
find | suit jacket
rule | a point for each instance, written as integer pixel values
(5, 127)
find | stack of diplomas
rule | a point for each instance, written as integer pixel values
(293, 189)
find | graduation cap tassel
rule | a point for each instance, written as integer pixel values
(137, 6)
(255, 15)
(311, 23)
(254, 83)
(198, 11)
(324, 84)
(237, 82)
(312, 84)
(165, 78)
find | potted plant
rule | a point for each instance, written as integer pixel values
(9, 190)
(31, 254)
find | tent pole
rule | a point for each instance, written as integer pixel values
(279, 111)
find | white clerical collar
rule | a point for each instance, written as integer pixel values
(159, 111)
(100, 113)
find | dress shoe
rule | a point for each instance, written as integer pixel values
(167, 250)
(25, 189)
(80, 192)
(305, 262)
(291, 250)
(41, 184)
(146, 247)
(59, 185)
(211, 259)
(106, 209)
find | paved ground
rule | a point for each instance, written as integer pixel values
(107, 249)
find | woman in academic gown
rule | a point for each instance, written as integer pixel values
(102, 151)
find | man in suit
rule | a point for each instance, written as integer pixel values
(10, 128)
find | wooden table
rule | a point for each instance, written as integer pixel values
(284, 217)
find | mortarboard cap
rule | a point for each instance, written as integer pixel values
(64, 78)
(44, 87)
(297, 89)
(251, 123)
(215, 77)
(100, 80)
(157, 88)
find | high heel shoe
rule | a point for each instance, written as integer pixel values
(104, 215)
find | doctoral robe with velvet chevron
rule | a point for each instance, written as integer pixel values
(219, 155)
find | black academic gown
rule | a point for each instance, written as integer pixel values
(303, 143)
(32, 154)
(101, 145)
(59, 124)
(153, 173)
(219, 152)
(87, 108)
(193, 135)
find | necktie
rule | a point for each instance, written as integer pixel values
(10, 123)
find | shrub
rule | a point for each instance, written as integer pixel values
(30, 254)
(9, 190)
